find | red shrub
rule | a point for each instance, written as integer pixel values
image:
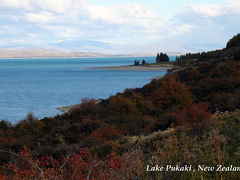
(82, 165)
(170, 93)
(86, 108)
(104, 134)
(195, 116)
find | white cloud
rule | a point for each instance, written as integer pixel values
(58, 6)
(182, 29)
(234, 5)
(63, 32)
(43, 17)
(61, 6)
(66, 11)
(45, 11)
(131, 14)
(207, 10)
(23, 4)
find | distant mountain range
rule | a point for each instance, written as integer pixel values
(44, 53)
(90, 48)
(85, 46)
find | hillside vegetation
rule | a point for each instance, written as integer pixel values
(189, 117)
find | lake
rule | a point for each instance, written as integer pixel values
(42, 85)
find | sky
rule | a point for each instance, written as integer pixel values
(119, 26)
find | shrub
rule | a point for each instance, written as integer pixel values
(171, 93)
(192, 74)
(104, 134)
(29, 129)
(87, 108)
(82, 165)
(196, 117)
(119, 106)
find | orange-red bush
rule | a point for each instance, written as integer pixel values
(104, 134)
(88, 107)
(196, 117)
(82, 165)
(171, 92)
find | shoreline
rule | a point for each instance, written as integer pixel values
(136, 68)
(70, 57)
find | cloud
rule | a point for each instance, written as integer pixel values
(60, 6)
(22, 4)
(207, 10)
(43, 17)
(130, 14)
(62, 31)
(182, 29)
(44, 11)
(234, 6)
(210, 25)
(124, 24)
(77, 11)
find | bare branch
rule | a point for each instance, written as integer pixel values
(74, 172)
(66, 161)
(89, 172)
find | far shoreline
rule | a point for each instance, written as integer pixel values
(136, 68)
(73, 57)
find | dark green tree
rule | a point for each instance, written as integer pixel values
(162, 58)
(136, 62)
(158, 58)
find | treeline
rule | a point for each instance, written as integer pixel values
(232, 52)
(161, 57)
(203, 56)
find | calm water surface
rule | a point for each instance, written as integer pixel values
(42, 85)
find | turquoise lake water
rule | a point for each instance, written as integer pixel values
(42, 85)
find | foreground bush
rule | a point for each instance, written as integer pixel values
(217, 145)
(82, 165)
